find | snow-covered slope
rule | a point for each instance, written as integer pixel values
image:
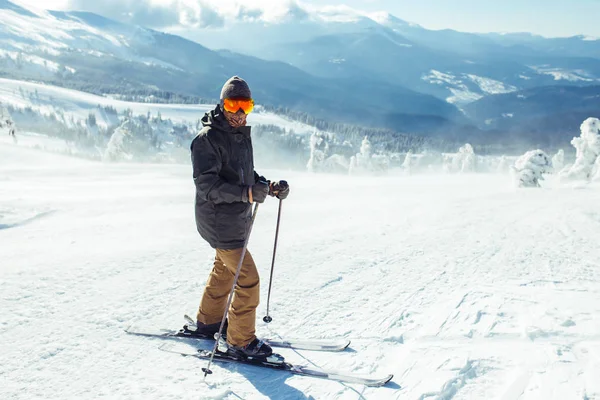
(52, 100)
(459, 285)
(29, 34)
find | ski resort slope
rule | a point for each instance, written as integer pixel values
(461, 286)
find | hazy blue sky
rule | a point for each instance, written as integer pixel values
(546, 17)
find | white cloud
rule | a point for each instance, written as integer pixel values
(154, 13)
(209, 13)
(192, 15)
(44, 4)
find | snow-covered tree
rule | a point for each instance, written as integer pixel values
(464, 160)
(467, 158)
(361, 162)
(408, 162)
(530, 168)
(558, 161)
(91, 125)
(6, 123)
(380, 163)
(366, 161)
(5, 118)
(587, 148)
(116, 149)
(322, 156)
(596, 171)
(336, 163)
(365, 148)
(503, 165)
(319, 151)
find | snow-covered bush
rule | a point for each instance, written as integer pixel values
(587, 148)
(530, 168)
(463, 161)
(336, 163)
(428, 161)
(366, 162)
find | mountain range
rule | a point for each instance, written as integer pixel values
(338, 65)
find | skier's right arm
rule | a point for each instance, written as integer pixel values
(207, 161)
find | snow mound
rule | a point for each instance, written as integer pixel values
(530, 168)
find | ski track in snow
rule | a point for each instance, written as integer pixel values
(459, 285)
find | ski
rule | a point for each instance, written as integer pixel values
(297, 344)
(277, 362)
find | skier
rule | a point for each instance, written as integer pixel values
(226, 187)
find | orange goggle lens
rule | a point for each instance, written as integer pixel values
(234, 105)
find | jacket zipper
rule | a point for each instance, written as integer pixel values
(242, 174)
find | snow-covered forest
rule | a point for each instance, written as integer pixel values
(113, 130)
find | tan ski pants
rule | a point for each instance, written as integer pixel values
(242, 313)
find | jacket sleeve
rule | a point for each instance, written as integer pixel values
(206, 161)
(258, 178)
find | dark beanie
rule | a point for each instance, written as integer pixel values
(235, 87)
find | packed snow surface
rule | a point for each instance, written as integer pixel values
(461, 286)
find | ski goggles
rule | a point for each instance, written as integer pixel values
(234, 105)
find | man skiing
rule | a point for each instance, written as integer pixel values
(226, 187)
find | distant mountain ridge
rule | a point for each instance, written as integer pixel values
(339, 65)
(87, 51)
(348, 43)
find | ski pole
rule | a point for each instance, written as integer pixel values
(235, 279)
(267, 317)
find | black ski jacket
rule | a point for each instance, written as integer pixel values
(223, 169)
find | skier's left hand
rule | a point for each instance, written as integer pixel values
(279, 189)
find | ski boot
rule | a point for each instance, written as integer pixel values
(204, 331)
(256, 349)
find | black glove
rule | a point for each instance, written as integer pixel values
(259, 192)
(279, 189)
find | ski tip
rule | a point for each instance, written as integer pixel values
(379, 382)
(347, 344)
(387, 380)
